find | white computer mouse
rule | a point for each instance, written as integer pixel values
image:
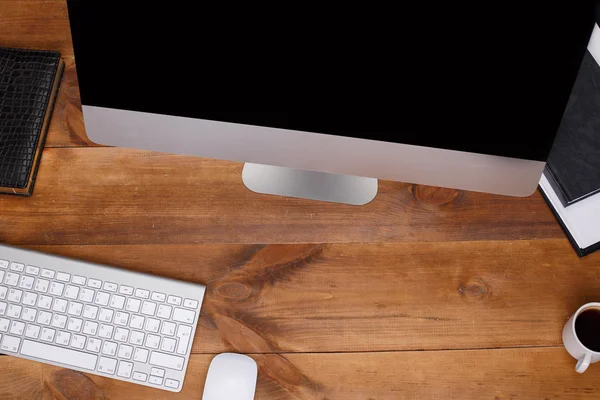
(230, 377)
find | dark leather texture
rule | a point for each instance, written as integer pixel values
(26, 84)
(574, 161)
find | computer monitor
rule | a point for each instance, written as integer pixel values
(467, 96)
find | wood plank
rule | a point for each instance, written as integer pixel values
(468, 374)
(67, 128)
(36, 24)
(121, 196)
(371, 297)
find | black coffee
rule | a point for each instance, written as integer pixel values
(587, 328)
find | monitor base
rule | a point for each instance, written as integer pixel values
(310, 185)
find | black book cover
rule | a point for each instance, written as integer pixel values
(29, 81)
(573, 167)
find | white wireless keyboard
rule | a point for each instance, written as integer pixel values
(97, 319)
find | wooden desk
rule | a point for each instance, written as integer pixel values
(423, 293)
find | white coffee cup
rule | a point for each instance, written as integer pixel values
(582, 354)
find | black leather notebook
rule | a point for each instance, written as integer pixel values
(29, 81)
(573, 167)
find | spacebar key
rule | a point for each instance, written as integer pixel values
(59, 355)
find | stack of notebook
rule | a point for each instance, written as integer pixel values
(29, 82)
(571, 181)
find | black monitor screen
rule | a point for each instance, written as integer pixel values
(482, 77)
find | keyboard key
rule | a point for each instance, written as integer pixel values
(117, 302)
(102, 298)
(60, 305)
(11, 279)
(31, 270)
(159, 297)
(166, 360)
(152, 324)
(18, 267)
(75, 308)
(110, 287)
(125, 351)
(143, 293)
(140, 355)
(90, 328)
(136, 338)
(94, 283)
(157, 372)
(2, 273)
(164, 311)
(152, 341)
(78, 280)
(44, 318)
(140, 376)
(56, 288)
(109, 348)
(106, 315)
(33, 331)
(59, 321)
(17, 328)
(46, 301)
(172, 383)
(190, 303)
(94, 345)
(3, 308)
(41, 285)
(62, 276)
(15, 295)
(87, 295)
(107, 365)
(90, 312)
(3, 292)
(168, 328)
(4, 324)
(126, 290)
(47, 273)
(26, 282)
(10, 344)
(176, 301)
(121, 335)
(72, 292)
(75, 324)
(3, 264)
(148, 308)
(184, 333)
(137, 322)
(48, 335)
(168, 345)
(106, 331)
(78, 342)
(133, 305)
(59, 355)
(63, 338)
(29, 314)
(181, 315)
(29, 299)
(125, 369)
(121, 318)
(13, 311)
(156, 380)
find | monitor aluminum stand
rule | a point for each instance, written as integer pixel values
(310, 185)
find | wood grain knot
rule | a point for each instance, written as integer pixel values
(234, 291)
(68, 384)
(436, 196)
(475, 290)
